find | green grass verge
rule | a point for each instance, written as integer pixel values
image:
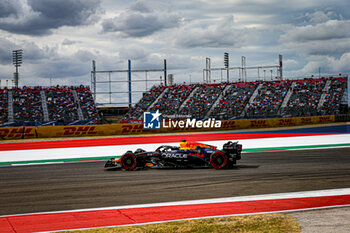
(276, 223)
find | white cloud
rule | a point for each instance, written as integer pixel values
(319, 16)
(140, 21)
(69, 42)
(291, 63)
(328, 65)
(6, 47)
(214, 34)
(330, 38)
(61, 43)
(332, 29)
(36, 17)
(134, 52)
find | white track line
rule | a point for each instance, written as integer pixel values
(100, 151)
(276, 196)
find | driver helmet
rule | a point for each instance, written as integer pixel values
(183, 143)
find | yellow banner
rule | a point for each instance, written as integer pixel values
(131, 129)
(18, 132)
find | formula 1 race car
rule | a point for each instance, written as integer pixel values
(189, 154)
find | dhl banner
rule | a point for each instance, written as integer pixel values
(18, 132)
(128, 129)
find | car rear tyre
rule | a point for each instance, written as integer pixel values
(128, 161)
(218, 160)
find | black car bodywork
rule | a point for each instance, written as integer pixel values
(189, 154)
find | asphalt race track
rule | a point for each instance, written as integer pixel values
(41, 188)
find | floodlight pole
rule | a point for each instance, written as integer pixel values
(226, 64)
(17, 61)
(129, 80)
(207, 70)
(93, 79)
(244, 70)
(165, 74)
(281, 67)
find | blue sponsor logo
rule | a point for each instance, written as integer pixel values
(151, 120)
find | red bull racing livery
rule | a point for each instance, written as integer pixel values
(188, 155)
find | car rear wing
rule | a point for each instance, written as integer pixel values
(232, 147)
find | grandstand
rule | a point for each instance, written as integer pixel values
(145, 103)
(238, 100)
(305, 97)
(47, 106)
(234, 100)
(27, 104)
(202, 100)
(268, 100)
(174, 97)
(3, 105)
(260, 99)
(333, 96)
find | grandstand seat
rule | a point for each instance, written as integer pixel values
(147, 99)
(269, 99)
(171, 101)
(202, 100)
(305, 97)
(334, 96)
(27, 104)
(87, 103)
(3, 105)
(60, 103)
(234, 101)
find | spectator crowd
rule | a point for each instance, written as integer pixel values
(234, 100)
(306, 97)
(61, 104)
(147, 99)
(87, 103)
(269, 99)
(172, 99)
(3, 105)
(334, 96)
(27, 104)
(200, 103)
(197, 100)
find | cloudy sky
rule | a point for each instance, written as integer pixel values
(60, 38)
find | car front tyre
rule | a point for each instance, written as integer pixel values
(128, 161)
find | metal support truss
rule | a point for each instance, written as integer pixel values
(242, 69)
(128, 80)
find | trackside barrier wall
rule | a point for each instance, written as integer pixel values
(128, 129)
